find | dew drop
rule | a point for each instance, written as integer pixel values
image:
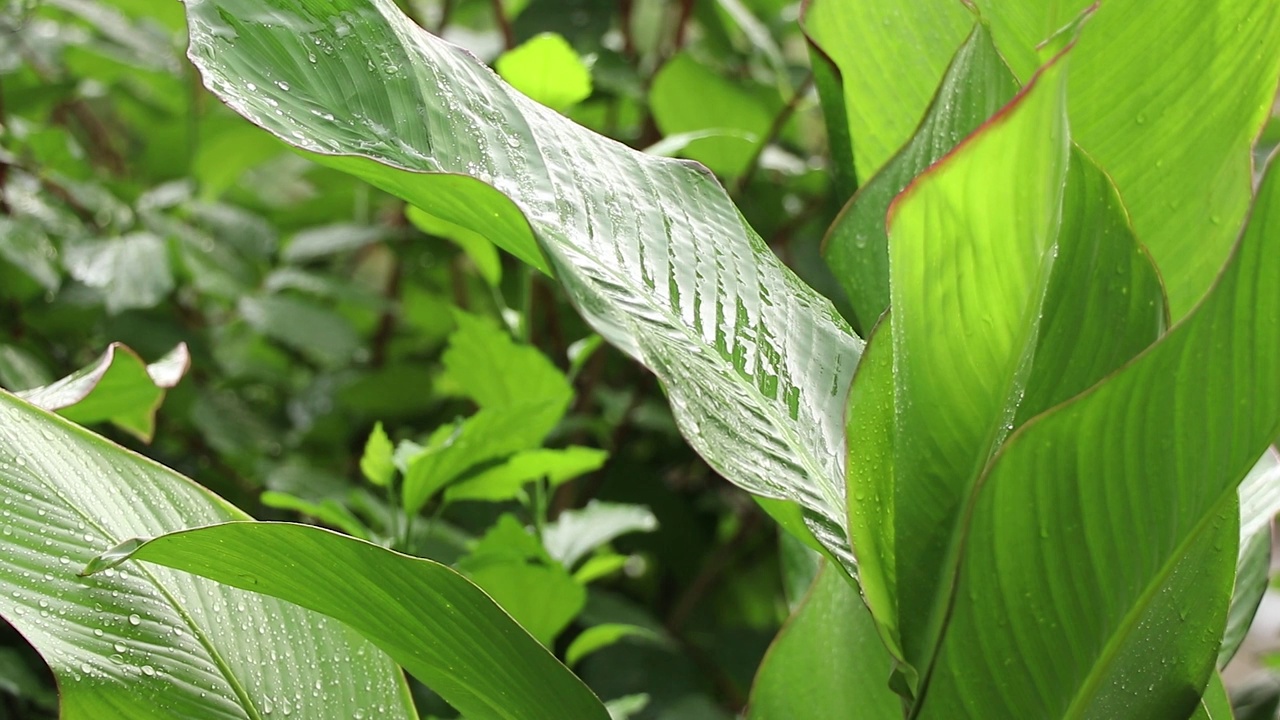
(135, 620)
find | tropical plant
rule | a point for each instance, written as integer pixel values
(1027, 482)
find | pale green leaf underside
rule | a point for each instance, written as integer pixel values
(150, 642)
(650, 250)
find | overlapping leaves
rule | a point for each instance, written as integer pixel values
(651, 251)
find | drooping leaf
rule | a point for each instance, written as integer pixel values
(430, 619)
(118, 387)
(826, 661)
(650, 250)
(599, 637)
(319, 334)
(142, 643)
(328, 511)
(319, 242)
(27, 247)
(21, 370)
(1068, 505)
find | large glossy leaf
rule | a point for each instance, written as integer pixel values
(1006, 320)
(426, 616)
(1145, 100)
(826, 662)
(971, 249)
(1146, 104)
(651, 251)
(150, 642)
(1102, 543)
(890, 56)
(976, 84)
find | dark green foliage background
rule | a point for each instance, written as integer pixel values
(136, 208)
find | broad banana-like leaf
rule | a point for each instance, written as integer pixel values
(650, 250)
(1145, 96)
(151, 642)
(1102, 542)
(971, 249)
(1147, 104)
(993, 324)
(433, 621)
(890, 56)
(975, 86)
(827, 661)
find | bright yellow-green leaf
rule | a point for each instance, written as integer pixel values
(547, 69)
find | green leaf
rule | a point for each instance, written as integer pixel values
(971, 246)
(318, 242)
(506, 481)
(328, 511)
(1179, 154)
(131, 271)
(20, 370)
(1076, 485)
(491, 434)
(149, 642)
(548, 70)
(826, 660)
(976, 84)
(28, 248)
(599, 637)
(430, 619)
(577, 532)
(118, 387)
(376, 464)
(891, 56)
(494, 371)
(482, 252)
(1215, 705)
(1259, 495)
(687, 96)
(510, 565)
(650, 250)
